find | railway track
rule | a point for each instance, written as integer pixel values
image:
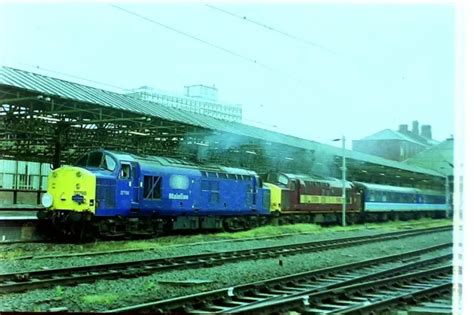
(155, 248)
(294, 292)
(28, 280)
(373, 297)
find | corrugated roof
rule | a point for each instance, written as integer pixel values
(86, 94)
(439, 158)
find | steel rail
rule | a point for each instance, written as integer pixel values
(28, 280)
(248, 296)
(377, 295)
(154, 248)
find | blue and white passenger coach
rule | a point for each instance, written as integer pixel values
(127, 193)
(401, 202)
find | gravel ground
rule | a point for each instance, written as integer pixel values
(108, 294)
(20, 265)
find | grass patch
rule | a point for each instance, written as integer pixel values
(11, 254)
(271, 230)
(106, 298)
(202, 237)
(268, 230)
(394, 225)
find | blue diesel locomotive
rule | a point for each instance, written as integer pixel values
(124, 193)
(113, 194)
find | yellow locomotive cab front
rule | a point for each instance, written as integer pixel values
(275, 197)
(71, 189)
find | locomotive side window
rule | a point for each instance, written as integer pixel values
(125, 171)
(179, 182)
(151, 187)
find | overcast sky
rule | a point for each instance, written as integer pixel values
(354, 69)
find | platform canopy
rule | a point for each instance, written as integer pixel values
(47, 119)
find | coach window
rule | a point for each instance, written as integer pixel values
(125, 171)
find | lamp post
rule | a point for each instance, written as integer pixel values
(446, 188)
(343, 169)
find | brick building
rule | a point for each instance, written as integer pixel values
(397, 145)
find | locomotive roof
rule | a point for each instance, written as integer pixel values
(334, 182)
(173, 162)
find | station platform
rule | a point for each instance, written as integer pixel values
(18, 212)
(18, 223)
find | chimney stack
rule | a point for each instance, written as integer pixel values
(426, 131)
(415, 129)
(403, 128)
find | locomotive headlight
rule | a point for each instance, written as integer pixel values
(47, 200)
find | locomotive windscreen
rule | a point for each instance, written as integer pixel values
(97, 159)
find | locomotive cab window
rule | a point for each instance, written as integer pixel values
(125, 171)
(283, 180)
(97, 159)
(109, 163)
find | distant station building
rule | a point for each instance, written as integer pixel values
(397, 145)
(200, 99)
(22, 182)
